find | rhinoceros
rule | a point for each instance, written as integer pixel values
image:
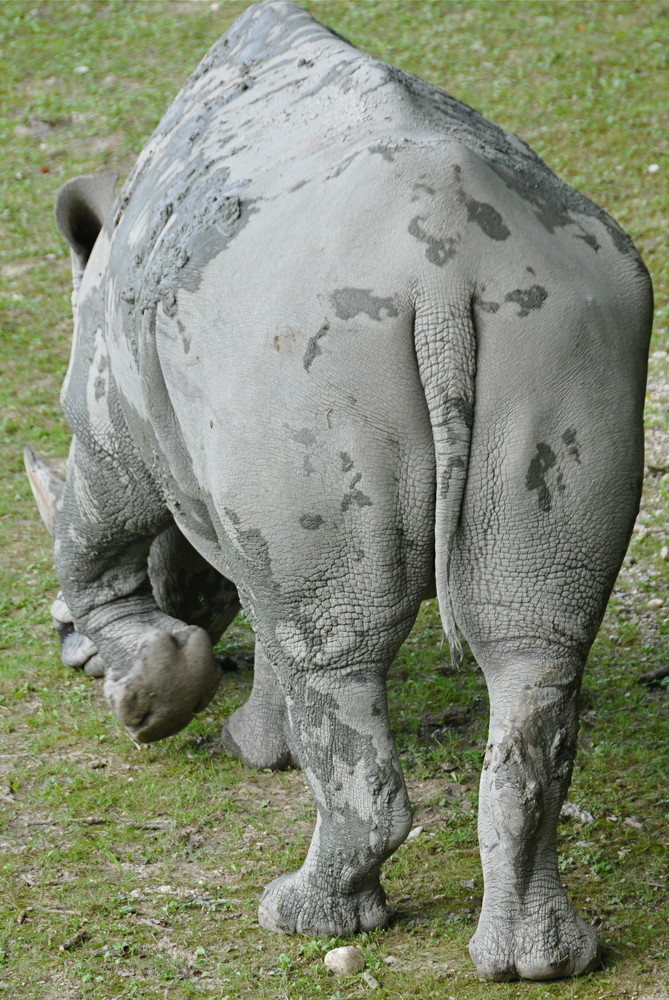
(351, 344)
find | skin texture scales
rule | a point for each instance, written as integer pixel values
(337, 340)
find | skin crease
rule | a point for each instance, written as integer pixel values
(337, 338)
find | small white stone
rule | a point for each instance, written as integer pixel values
(80, 70)
(370, 980)
(344, 961)
(572, 811)
(664, 553)
(653, 168)
(656, 602)
(416, 832)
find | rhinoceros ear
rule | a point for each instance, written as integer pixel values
(82, 205)
(47, 483)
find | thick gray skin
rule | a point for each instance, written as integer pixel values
(186, 587)
(183, 584)
(346, 334)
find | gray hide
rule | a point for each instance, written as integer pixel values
(183, 584)
(351, 338)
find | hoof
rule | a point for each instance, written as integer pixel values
(173, 678)
(257, 742)
(95, 666)
(291, 905)
(551, 945)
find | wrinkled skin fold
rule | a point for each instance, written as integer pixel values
(339, 338)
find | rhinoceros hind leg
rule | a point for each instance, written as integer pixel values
(340, 729)
(259, 732)
(558, 945)
(289, 904)
(528, 928)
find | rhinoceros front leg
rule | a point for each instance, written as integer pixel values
(528, 928)
(259, 732)
(184, 584)
(159, 671)
(340, 729)
(187, 587)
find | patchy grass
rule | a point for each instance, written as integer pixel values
(145, 867)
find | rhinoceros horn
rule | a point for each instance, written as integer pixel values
(47, 482)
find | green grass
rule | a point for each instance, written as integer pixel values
(157, 857)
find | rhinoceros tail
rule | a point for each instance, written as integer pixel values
(445, 342)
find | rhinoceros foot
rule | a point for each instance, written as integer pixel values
(173, 678)
(552, 943)
(294, 905)
(263, 749)
(259, 736)
(259, 732)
